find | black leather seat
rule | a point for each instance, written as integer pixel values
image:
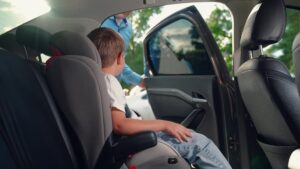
(9, 43)
(267, 89)
(30, 126)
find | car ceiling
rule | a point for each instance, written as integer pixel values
(71, 14)
(99, 9)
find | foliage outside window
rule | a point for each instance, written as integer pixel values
(220, 24)
(283, 49)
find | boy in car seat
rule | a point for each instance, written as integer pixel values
(196, 148)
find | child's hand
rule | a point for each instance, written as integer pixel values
(178, 131)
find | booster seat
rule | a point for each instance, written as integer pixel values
(78, 86)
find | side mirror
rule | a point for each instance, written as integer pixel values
(294, 161)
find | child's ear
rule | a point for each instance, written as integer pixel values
(120, 58)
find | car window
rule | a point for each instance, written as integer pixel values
(178, 49)
(283, 49)
(216, 15)
(16, 12)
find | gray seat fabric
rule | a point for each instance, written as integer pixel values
(71, 43)
(267, 89)
(79, 88)
(296, 59)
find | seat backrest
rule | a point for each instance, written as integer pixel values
(79, 89)
(29, 120)
(296, 59)
(267, 89)
(263, 79)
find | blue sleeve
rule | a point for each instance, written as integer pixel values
(129, 76)
(110, 23)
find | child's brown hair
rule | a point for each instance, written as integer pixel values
(108, 43)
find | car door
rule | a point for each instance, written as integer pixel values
(189, 81)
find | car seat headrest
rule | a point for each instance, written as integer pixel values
(71, 43)
(34, 38)
(265, 25)
(9, 43)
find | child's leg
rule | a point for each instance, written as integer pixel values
(199, 150)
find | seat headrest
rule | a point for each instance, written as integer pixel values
(71, 43)
(35, 38)
(265, 25)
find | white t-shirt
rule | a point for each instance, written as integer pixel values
(115, 92)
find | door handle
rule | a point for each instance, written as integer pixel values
(196, 102)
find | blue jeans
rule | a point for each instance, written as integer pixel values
(199, 151)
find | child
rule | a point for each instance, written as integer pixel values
(195, 147)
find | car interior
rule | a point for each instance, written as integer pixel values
(56, 113)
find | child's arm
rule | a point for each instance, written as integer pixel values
(126, 126)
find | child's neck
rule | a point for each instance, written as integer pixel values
(109, 70)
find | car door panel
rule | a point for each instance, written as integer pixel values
(189, 81)
(192, 105)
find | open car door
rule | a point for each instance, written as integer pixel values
(190, 83)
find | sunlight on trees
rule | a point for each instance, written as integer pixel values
(283, 49)
(220, 24)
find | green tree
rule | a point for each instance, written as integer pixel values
(220, 24)
(135, 52)
(283, 49)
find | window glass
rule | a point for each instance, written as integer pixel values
(16, 12)
(216, 15)
(283, 49)
(178, 49)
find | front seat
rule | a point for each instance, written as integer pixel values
(267, 89)
(79, 88)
